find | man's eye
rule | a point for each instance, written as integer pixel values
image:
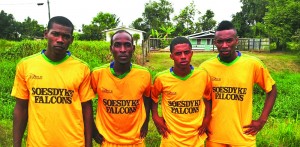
(66, 36)
(229, 40)
(117, 44)
(220, 41)
(186, 52)
(55, 34)
(178, 53)
(128, 45)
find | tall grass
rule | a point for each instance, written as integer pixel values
(282, 128)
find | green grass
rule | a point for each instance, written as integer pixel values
(282, 128)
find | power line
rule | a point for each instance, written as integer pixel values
(18, 4)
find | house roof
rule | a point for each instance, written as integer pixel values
(123, 27)
(201, 34)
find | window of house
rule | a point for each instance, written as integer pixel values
(198, 41)
(208, 41)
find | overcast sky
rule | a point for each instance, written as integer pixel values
(82, 11)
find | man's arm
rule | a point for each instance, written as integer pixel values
(257, 125)
(207, 117)
(159, 122)
(147, 104)
(87, 113)
(20, 120)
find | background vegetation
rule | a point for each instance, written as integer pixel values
(275, 19)
(282, 128)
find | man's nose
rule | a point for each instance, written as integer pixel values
(182, 55)
(122, 49)
(224, 44)
(60, 38)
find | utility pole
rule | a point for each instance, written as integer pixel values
(40, 4)
(48, 9)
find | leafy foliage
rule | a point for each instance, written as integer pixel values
(101, 22)
(185, 20)
(157, 13)
(136, 37)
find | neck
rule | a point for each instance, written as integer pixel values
(182, 72)
(121, 68)
(54, 57)
(230, 59)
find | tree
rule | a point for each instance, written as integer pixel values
(282, 21)
(8, 28)
(157, 14)
(207, 21)
(90, 32)
(136, 37)
(185, 20)
(30, 29)
(101, 22)
(242, 28)
(167, 30)
(252, 13)
(139, 24)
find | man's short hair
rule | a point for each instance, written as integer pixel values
(61, 20)
(225, 25)
(179, 40)
(120, 31)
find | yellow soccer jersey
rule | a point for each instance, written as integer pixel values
(232, 97)
(182, 105)
(55, 91)
(121, 111)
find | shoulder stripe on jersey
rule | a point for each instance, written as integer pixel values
(139, 67)
(101, 67)
(28, 57)
(160, 73)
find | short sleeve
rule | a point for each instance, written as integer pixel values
(85, 90)
(20, 89)
(156, 90)
(263, 77)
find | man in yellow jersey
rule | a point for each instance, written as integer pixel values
(123, 90)
(233, 76)
(185, 115)
(53, 93)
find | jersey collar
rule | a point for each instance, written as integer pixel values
(182, 78)
(232, 62)
(114, 73)
(55, 62)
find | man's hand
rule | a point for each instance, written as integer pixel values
(204, 127)
(97, 136)
(144, 130)
(161, 126)
(254, 127)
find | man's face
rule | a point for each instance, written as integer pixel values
(226, 41)
(182, 55)
(122, 48)
(59, 38)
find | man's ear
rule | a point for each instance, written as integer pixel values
(110, 48)
(46, 34)
(171, 56)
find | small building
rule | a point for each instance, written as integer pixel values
(130, 30)
(202, 41)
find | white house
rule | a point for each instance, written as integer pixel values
(130, 30)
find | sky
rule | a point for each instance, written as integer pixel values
(83, 11)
